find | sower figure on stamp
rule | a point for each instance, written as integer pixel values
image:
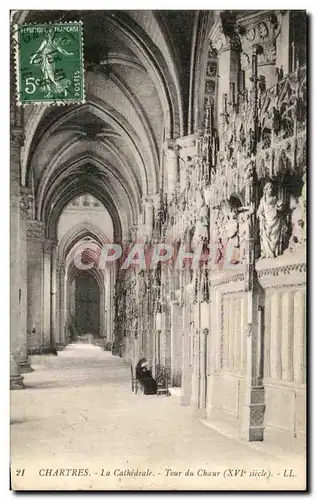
(46, 56)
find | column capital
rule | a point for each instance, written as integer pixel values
(224, 35)
(17, 137)
(26, 202)
(36, 229)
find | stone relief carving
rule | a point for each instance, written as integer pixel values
(261, 34)
(26, 205)
(272, 223)
(35, 229)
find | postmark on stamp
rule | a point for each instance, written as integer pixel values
(49, 63)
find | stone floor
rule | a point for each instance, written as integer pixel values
(78, 412)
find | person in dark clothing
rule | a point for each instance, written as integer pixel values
(144, 375)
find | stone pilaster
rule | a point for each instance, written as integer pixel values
(166, 339)
(176, 344)
(16, 142)
(149, 216)
(60, 301)
(252, 428)
(203, 332)
(226, 42)
(186, 372)
(49, 273)
(195, 395)
(26, 203)
(35, 282)
(171, 167)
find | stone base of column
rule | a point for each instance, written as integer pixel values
(253, 421)
(49, 350)
(25, 367)
(60, 347)
(16, 380)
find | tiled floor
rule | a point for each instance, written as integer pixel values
(78, 412)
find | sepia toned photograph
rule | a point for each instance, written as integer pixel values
(158, 234)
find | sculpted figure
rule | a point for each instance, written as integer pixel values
(244, 213)
(185, 235)
(45, 57)
(216, 236)
(271, 222)
(201, 228)
(298, 220)
(231, 234)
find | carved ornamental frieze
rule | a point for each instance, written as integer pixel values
(261, 33)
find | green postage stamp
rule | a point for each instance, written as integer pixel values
(49, 63)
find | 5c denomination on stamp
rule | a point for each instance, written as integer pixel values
(49, 63)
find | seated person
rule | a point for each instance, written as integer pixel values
(144, 375)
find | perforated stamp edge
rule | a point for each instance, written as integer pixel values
(16, 48)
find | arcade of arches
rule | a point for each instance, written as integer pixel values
(193, 132)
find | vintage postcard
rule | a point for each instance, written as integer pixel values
(158, 211)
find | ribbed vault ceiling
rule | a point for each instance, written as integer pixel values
(112, 145)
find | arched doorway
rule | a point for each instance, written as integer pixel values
(87, 305)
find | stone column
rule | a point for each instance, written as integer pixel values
(195, 395)
(48, 346)
(225, 40)
(60, 331)
(165, 340)
(176, 344)
(53, 317)
(203, 361)
(16, 142)
(252, 428)
(65, 307)
(111, 304)
(186, 373)
(203, 374)
(102, 331)
(35, 238)
(149, 216)
(171, 168)
(253, 413)
(25, 211)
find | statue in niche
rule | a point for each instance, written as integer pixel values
(244, 214)
(230, 233)
(250, 171)
(298, 220)
(243, 235)
(216, 236)
(202, 221)
(272, 223)
(250, 142)
(185, 233)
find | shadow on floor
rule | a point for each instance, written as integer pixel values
(15, 421)
(66, 384)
